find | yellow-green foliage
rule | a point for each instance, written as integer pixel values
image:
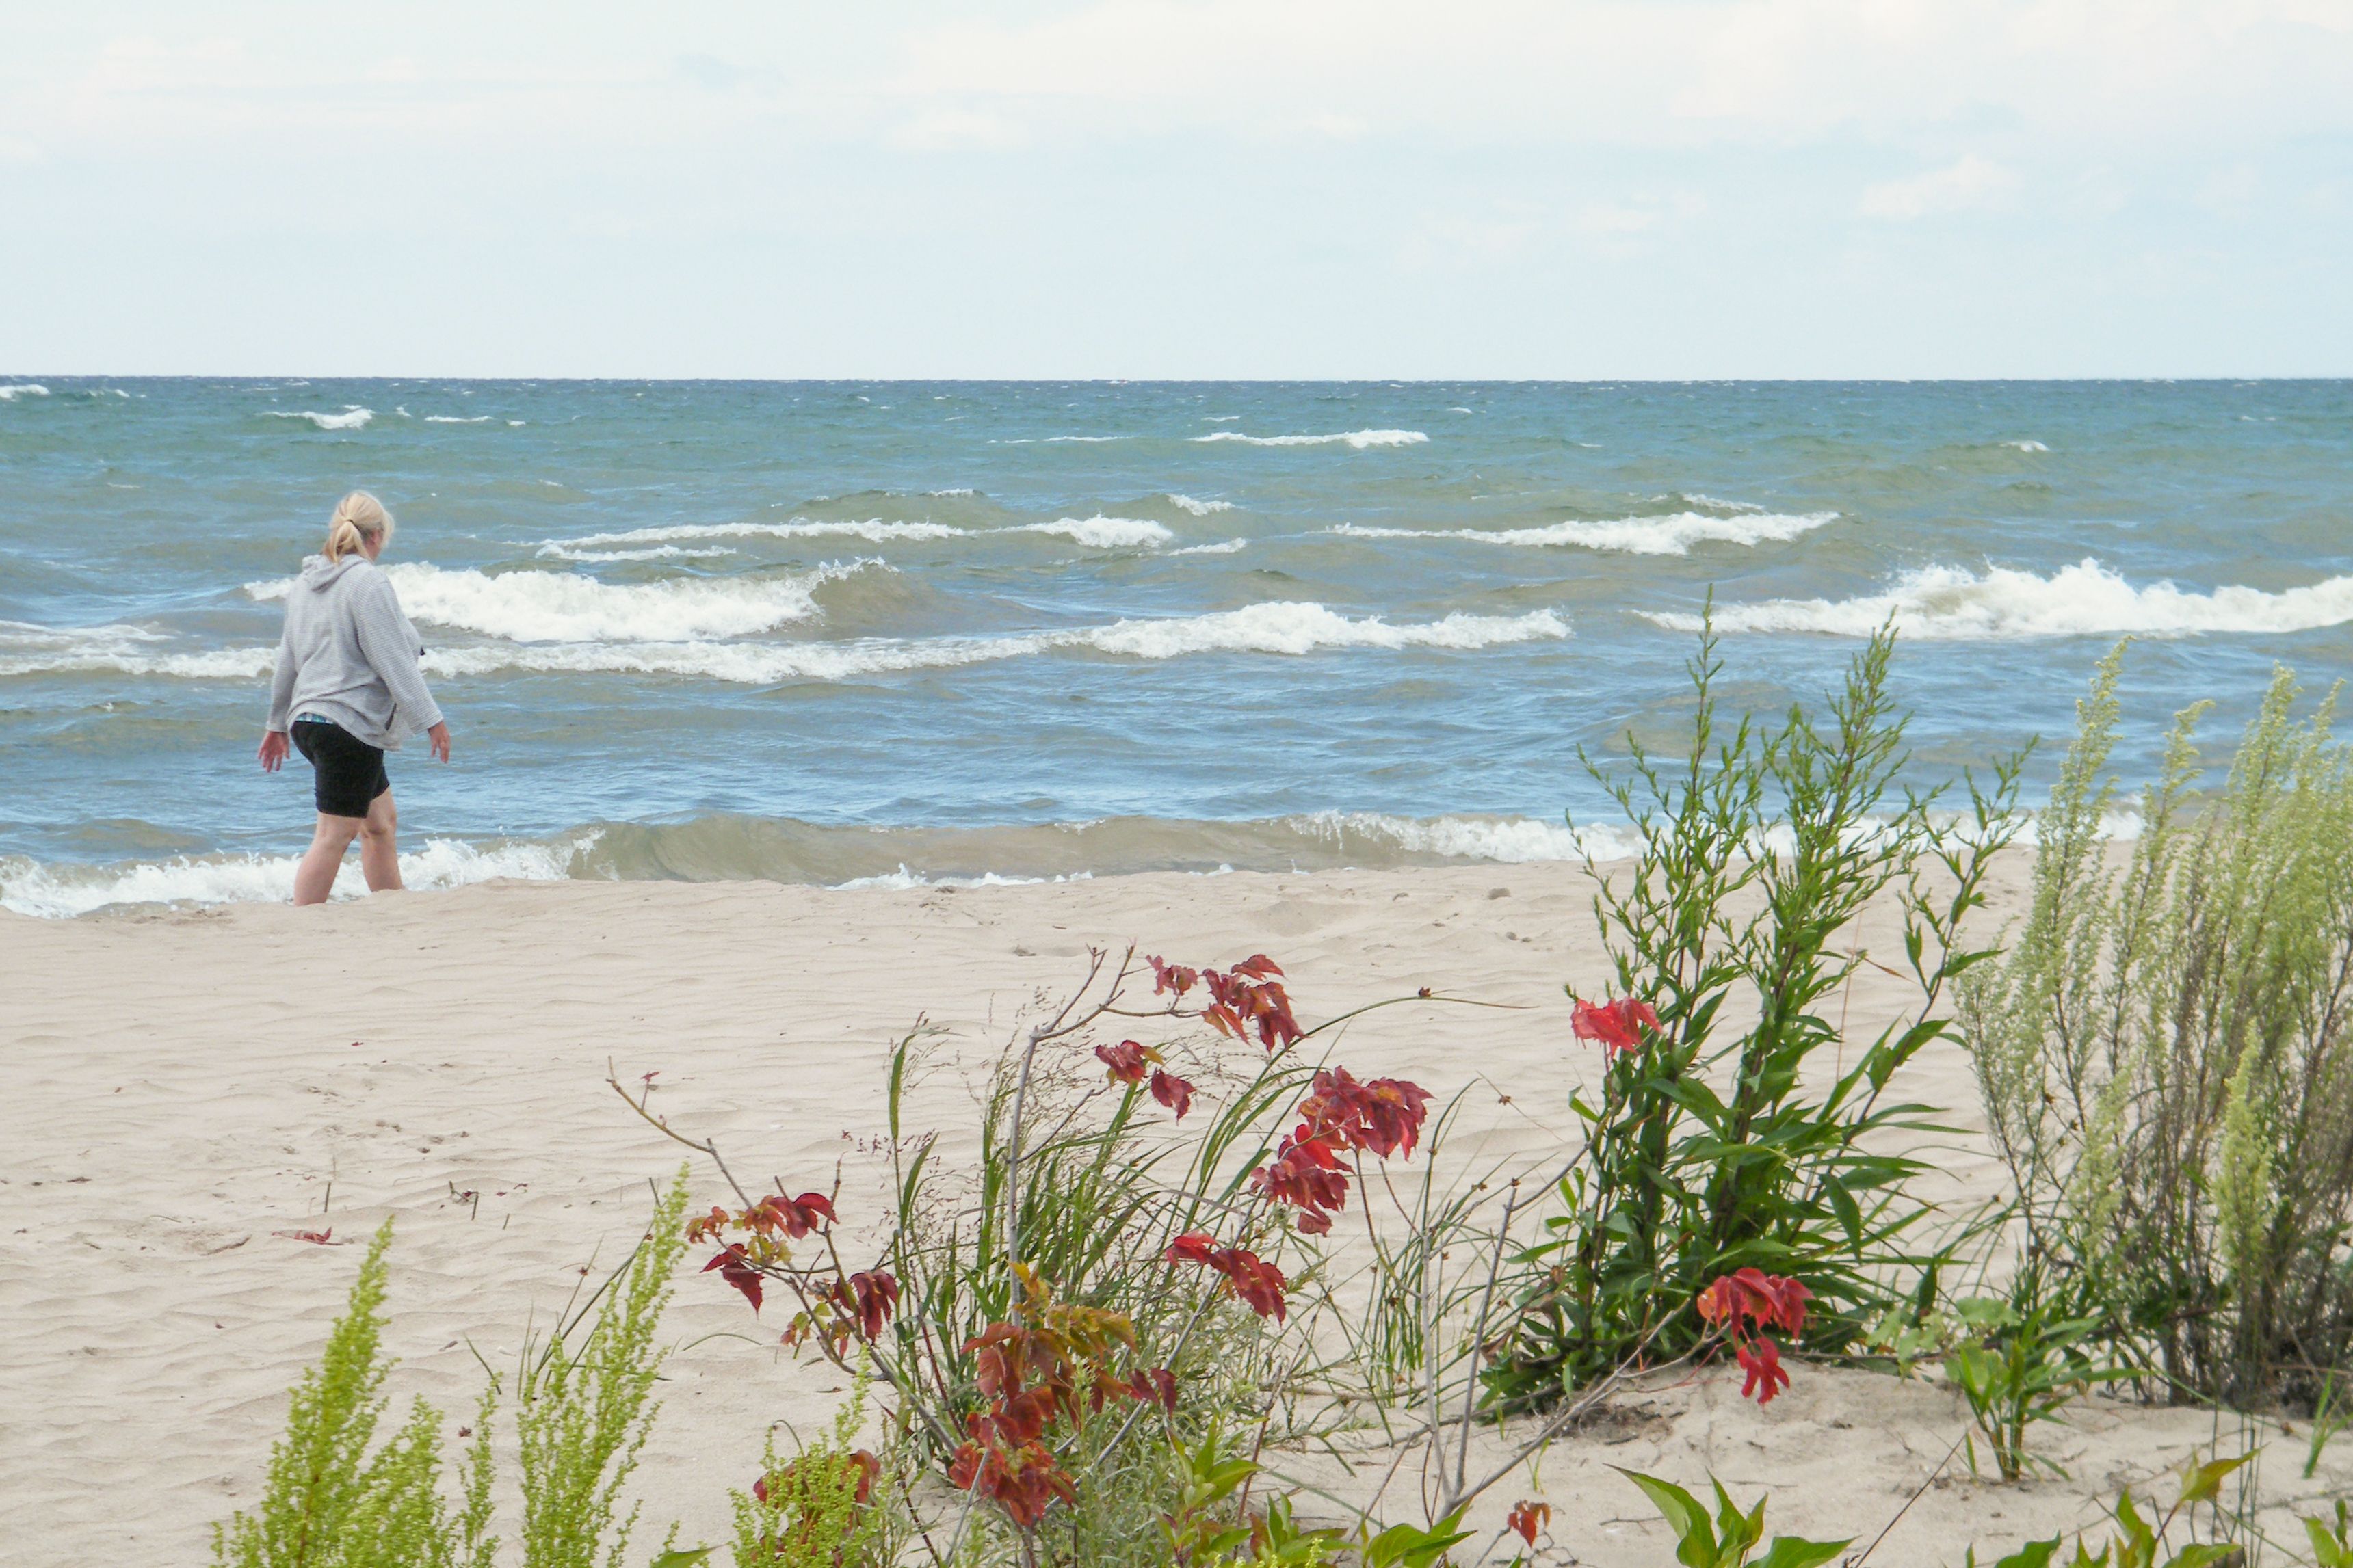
(327, 1502)
(810, 1515)
(2165, 1058)
(584, 1410)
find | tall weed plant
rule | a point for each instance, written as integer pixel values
(1734, 1131)
(2165, 1055)
(335, 1497)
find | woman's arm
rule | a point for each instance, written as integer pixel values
(384, 639)
(282, 697)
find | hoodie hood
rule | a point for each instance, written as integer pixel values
(319, 572)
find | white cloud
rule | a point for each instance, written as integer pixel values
(1973, 181)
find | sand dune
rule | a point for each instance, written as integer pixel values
(182, 1086)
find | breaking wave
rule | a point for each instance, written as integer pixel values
(565, 607)
(1359, 439)
(1100, 532)
(353, 417)
(1198, 508)
(1672, 535)
(30, 888)
(2086, 599)
(14, 390)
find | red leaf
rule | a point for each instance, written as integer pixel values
(735, 1267)
(1762, 1361)
(1172, 1091)
(1527, 1517)
(877, 1294)
(1193, 1247)
(1617, 1026)
(1311, 1223)
(1126, 1060)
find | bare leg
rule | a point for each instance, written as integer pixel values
(379, 855)
(314, 879)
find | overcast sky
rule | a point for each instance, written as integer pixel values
(1247, 188)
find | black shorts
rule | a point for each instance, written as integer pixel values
(346, 772)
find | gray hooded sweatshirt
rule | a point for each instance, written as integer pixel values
(350, 656)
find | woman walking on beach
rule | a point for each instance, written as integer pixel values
(347, 677)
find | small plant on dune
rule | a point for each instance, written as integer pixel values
(328, 1501)
(816, 1510)
(1729, 1540)
(2136, 1542)
(2166, 1054)
(2021, 1364)
(1713, 1149)
(584, 1414)
(584, 1404)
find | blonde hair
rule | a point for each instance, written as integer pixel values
(358, 516)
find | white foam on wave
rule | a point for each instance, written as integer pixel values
(353, 417)
(30, 888)
(874, 531)
(2002, 602)
(961, 491)
(1672, 535)
(1100, 532)
(14, 390)
(565, 607)
(903, 879)
(1228, 547)
(1271, 629)
(1508, 840)
(116, 650)
(458, 419)
(654, 552)
(2027, 446)
(1198, 508)
(1359, 439)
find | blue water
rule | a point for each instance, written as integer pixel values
(825, 631)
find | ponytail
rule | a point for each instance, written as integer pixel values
(359, 516)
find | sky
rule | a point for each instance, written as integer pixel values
(1179, 188)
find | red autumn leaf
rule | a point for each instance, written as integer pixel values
(708, 1225)
(1766, 1300)
(1383, 1117)
(1617, 1026)
(1762, 1361)
(1527, 1517)
(734, 1266)
(1193, 1247)
(1154, 1386)
(794, 1216)
(1312, 1223)
(1126, 1060)
(1259, 1284)
(1172, 978)
(1307, 1174)
(877, 1295)
(869, 1470)
(1172, 1091)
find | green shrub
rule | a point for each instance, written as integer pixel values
(328, 1502)
(2165, 1055)
(1760, 847)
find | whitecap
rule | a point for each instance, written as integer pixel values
(1271, 628)
(457, 419)
(2086, 599)
(1672, 535)
(353, 417)
(1359, 439)
(31, 887)
(874, 531)
(655, 553)
(962, 491)
(567, 607)
(1229, 547)
(14, 390)
(2027, 446)
(1198, 508)
(1508, 840)
(1100, 532)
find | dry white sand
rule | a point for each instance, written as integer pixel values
(179, 1087)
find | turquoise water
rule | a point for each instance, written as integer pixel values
(839, 631)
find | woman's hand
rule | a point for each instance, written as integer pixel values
(438, 736)
(274, 747)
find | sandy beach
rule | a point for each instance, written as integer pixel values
(184, 1087)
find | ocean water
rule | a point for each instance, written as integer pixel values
(891, 632)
